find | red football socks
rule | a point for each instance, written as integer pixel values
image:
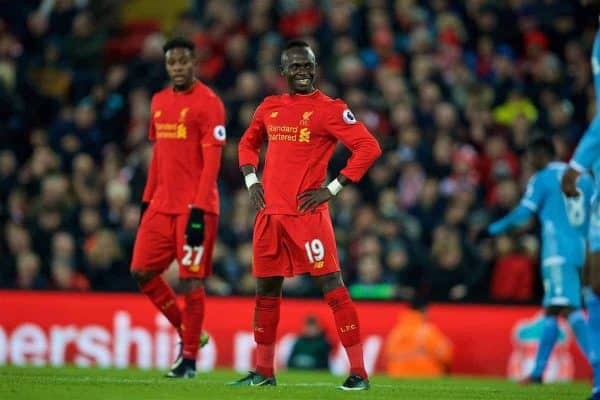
(164, 298)
(193, 315)
(348, 328)
(266, 319)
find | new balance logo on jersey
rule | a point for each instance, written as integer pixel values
(274, 114)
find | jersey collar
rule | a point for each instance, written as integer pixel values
(190, 90)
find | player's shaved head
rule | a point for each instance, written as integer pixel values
(296, 46)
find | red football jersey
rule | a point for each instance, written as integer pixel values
(302, 132)
(188, 132)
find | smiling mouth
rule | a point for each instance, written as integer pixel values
(303, 81)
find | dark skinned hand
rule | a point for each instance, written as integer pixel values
(313, 198)
(569, 183)
(257, 196)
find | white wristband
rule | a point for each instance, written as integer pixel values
(251, 179)
(334, 187)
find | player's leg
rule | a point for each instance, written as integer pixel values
(152, 254)
(271, 262)
(593, 307)
(547, 341)
(195, 263)
(347, 326)
(572, 311)
(266, 319)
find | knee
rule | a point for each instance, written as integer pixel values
(189, 285)
(142, 277)
(329, 282)
(269, 287)
(555, 311)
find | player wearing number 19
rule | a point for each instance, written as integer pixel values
(181, 198)
(293, 233)
(564, 223)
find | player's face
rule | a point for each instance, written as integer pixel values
(180, 63)
(298, 66)
(536, 159)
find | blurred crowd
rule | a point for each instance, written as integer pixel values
(453, 90)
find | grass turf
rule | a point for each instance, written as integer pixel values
(25, 383)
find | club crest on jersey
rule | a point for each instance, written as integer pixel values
(306, 118)
(220, 133)
(157, 113)
(348, 117)
(183, 113)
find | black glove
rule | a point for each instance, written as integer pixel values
(143, 209)
(194, 231)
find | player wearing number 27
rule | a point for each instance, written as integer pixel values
(293, 233)
(564, 223)
(181, 198)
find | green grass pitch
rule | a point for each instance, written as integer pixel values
(24, 383)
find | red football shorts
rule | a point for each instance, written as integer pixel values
(288, 245)
(161, 238)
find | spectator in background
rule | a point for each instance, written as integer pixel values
(311, 349)
(415, 347)
(452, 99)
(513, 273)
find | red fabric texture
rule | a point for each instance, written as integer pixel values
(266, 319)
(193, 316)
(163, 297)
(348, 328)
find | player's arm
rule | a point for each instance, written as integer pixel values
(528, 206)
(588, 148)
(586, 152)
(248, 154)
(341, 123)
(152, 170)
(212, 141)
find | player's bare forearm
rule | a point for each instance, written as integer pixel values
(311, 199)
(247, 169)
(255, 188)
(568, 183)
(343, 180)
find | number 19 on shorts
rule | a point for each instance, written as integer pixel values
(314, 250)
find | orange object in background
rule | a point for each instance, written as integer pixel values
(416, 347)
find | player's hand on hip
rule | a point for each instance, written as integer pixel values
(194, 231)
(568, 183)
(257, 196)
(313, 198)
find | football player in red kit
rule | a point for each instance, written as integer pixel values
(180, 206)
(293, 233)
